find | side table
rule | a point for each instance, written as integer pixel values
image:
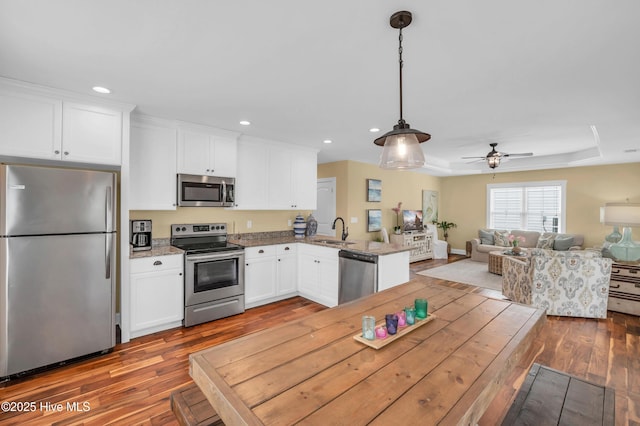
(624, 288)
(495, 260)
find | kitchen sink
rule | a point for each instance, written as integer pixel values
(338, 243)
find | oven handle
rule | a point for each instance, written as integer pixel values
(214, 256)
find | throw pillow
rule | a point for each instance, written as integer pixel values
(501, 239)
(486, 237)
(546, 241)
(563, 242)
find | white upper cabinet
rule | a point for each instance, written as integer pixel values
(91, 134)
(30, 126)
(251, 182)
(275, 176)
(202, 152)
(153, 165)
(47, 124)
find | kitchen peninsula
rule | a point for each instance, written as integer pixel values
(278, 265)
(312, 370)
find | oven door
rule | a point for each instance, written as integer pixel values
(213, 276)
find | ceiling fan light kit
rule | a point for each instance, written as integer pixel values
(494, 157)
(401, 146)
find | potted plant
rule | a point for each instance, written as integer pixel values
(445, 228)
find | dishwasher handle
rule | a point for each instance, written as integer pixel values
(362, 257)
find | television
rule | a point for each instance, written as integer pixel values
(412, 220)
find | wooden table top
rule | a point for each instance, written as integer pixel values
(312, 371)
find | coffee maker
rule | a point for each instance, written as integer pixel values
(140, 234)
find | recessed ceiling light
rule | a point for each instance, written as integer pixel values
(327, 141)
(374, 130)
(101, 89)
(245, 122)
(629, 151)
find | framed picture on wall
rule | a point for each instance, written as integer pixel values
(374, 220)
(374, 190)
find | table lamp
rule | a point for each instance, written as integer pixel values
(625, 215)
(613, 237)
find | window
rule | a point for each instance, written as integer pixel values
(531, 206)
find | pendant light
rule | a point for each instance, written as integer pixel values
(401, 146)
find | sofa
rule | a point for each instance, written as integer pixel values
(488, 240)
(571, 283)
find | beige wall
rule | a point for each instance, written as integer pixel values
(351, 198)
(463, 198)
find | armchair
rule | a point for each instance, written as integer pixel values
(566, 283)
(440, 248)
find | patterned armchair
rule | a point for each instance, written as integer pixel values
(567, 283)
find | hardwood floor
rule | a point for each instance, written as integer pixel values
(132, 384)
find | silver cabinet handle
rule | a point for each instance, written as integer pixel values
(66, 153)
(157, 263)
(57, 151)
(260, 251)
(286, 248)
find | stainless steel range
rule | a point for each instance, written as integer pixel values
(213, 272)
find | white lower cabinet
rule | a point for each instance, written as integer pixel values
(318, 274)
(259, 275)
(393, 270)
(157, 294)
(270, 274)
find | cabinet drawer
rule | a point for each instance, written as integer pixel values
(156, 263)
(628, 273)
(284, 249)
(258, 252)
(616, 286)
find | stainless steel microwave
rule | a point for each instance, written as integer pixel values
(206, 191)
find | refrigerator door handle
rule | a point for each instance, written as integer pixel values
(108, 210)
(107, 258)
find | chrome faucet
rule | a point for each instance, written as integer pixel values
(345, 231)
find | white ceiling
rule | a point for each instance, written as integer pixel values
(533, 76)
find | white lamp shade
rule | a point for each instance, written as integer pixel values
(402, 152)
(622, 214)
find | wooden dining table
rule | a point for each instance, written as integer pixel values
(313, 371)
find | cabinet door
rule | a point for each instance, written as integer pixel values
(287, 275)
(308, 276)
(153, 167)
(259, 279)
(251, 183)
(304, 177)
(31, 126)
(91, 134)
(223, 156)
(156, 298)
(194, 153)
(328, 280)
(279, 178)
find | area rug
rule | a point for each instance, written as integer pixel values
(466, 271)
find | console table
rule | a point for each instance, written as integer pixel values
(420, 243)
(624, 288)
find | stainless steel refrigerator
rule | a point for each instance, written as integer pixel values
(57, 265)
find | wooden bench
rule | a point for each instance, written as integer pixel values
(191, 407)
(551, 397)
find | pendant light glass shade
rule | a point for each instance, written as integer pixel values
(401, 151)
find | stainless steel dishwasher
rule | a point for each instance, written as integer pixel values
(358, 275)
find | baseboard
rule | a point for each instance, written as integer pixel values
(458, 251)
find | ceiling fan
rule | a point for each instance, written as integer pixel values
(493, 157)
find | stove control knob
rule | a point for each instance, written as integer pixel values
(222, 227)
(177, 229)
(184, 229)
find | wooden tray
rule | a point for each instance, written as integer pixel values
(379, 343)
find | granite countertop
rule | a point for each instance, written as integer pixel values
(359, 246)
(156, 250)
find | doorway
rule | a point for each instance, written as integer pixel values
(326, 212)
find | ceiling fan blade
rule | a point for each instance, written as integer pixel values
(524, 154)
(469, 158)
